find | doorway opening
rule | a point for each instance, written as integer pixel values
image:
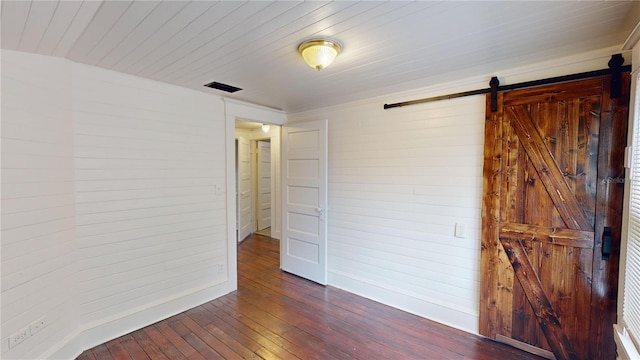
(257, 184)
(306, 175)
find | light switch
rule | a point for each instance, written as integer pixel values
(459, 232)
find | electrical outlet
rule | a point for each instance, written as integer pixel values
(19, 336)
(38, 325)
(220, 268)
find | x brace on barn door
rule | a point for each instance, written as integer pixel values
(616, 69)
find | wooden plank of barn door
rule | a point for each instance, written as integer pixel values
(497, 282)
(557, 123)
(539, 301)
(576, 163)
(610, 190)
(538, 199)
(551, 235)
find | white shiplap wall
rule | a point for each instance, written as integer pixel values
(399, 181)
(150, 224)
(38, 211)
(113, 203)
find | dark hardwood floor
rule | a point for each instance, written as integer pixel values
(275, 315)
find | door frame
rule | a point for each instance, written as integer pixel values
(239, 110)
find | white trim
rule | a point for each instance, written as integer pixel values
(632, 39)
(624, 345)
(239, 110)
(91, 335)
(410, 302)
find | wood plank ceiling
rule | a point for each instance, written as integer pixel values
(388, 46)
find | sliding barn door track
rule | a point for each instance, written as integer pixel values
(615, 69)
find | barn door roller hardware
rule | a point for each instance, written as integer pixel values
(615, 70)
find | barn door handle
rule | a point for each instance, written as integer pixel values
(606, 243)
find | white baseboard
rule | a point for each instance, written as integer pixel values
(91, 335)
(412, 303)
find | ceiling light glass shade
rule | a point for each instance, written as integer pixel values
(319, 53)
(265, 128)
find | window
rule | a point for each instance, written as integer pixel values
(631, 291)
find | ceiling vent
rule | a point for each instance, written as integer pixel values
(223, 87)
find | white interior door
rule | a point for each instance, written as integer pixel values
(264, 185)
(244, 188)
(303, 249)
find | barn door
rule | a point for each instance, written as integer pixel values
(553, 187)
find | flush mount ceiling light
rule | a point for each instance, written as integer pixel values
(265, 128)
(319, 53)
